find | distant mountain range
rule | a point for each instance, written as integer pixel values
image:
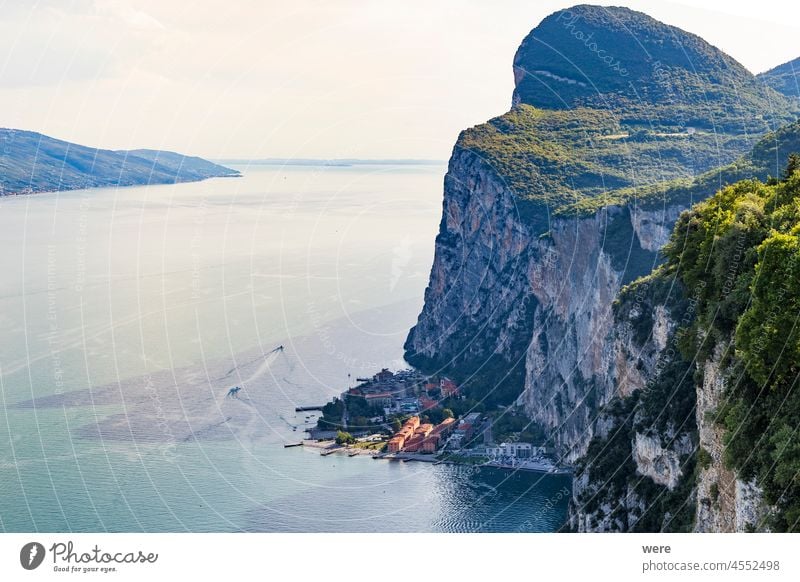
(32, 162)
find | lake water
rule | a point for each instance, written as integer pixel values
(126, 315)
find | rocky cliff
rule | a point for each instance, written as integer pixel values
(725, 503)
(710, 417)
(551, 210)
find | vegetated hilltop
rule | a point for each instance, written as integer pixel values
(784, 78)
(608, 99)
(612, 110)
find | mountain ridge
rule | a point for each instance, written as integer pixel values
(31, 162)
(784, 78)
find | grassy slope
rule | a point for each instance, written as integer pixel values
(566, 159)
(766, 159)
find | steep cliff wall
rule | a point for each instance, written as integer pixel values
(550, 211)
(502, 289)
(725, 503)
(477, 300)
(570, 362)
(635, 473)
(714, 424)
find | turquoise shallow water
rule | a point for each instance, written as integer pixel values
(126, 314)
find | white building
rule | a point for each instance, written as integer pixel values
(512, 451)
(456, 440)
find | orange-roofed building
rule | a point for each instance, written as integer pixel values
(431, 443)
(396, 444)
(448, 387)
(413, 422)
(446, 426)
(414, 444)
(426, 403)
(424, 429)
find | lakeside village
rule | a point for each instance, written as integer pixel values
(408, 416)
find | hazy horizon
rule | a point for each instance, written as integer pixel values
(345, 80)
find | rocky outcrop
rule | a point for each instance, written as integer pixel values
(662, 465)
(476, 301)
(653, 227)
(724, 502)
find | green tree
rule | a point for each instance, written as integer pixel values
(767, 335)
(738, 253)
(344, 438)
(792, 166)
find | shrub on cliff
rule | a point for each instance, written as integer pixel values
(741, 250)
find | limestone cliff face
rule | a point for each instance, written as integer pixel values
(570, 360)
(677, 448)
(724, 502)
(661, 464)
(499, 288)
(523, 303)
(476, 301)
(642, 449)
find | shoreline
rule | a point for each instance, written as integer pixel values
(329, 447)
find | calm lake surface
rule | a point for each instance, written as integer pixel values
(126, 315)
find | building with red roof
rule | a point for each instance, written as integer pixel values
(396, 444)
(426, 402)
(431, 443)
(448, 387)
(424, 429)
(414, 444)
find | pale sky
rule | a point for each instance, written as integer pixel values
(302, 78)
